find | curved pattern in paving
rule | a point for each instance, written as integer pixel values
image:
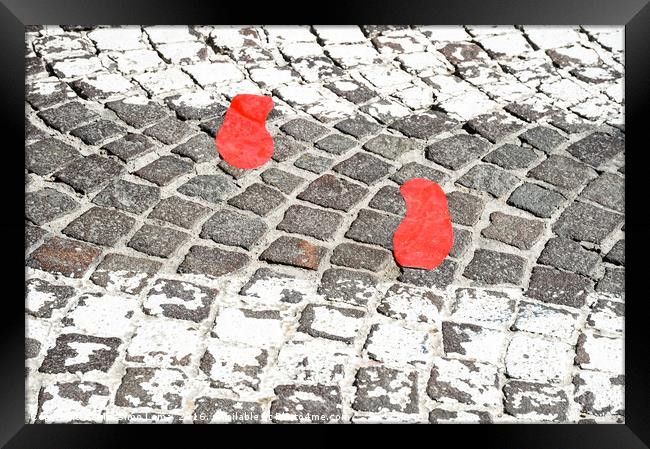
(165, 285)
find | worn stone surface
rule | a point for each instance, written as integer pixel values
(272, 294)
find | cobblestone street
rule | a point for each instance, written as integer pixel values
(164, 285)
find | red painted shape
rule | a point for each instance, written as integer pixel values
(243, 140)
(425, 236)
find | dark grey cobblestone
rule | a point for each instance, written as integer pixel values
(511, 157)
(616, 255)
(597, 148)
(98, 132)
(568, 255)
(101, 226)
(179, 212)
(294, 251)
(608, 190)
(90, 173)
(495, 126)
(64, 256)
(211, 188)
(353, 255)
(284, 181)
(563, 172)
(581, 221)
(157, 240)
(373, 227)
(233, 228)
(613, 281)
(536, 199)
(318, 223)
(333, 192)
(47, 205)
(414, 170)
(389, 146)
(304, 130)
(358, 127)
(558, 287)
(389, 199)
(335, 144)
(493, 180)
(124, 273)
(348, 286)
(258, 198)
(212, 261)
(464, 208)
(516, 231)
(440, 277)
(313, 162)
(457, 151)
(424, 126)
(199, 148)
(128, 196)
(493, 267)
(48, 155)
(164, 170)
(363, 167)
(67, 117)
(543, 138)
(130, 147)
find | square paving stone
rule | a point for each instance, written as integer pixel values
(293, 251)
(457, 151)
(608, 190)
(616, 255)
(613, 282)
(164, 170)
(415, 304)
(462, 242)
(516, 231)
(464, 209)
(100, 354)
(211, 188)
(424, 126)
(495, 126)
(138, 111)
(568, 255)
(128, 196)
(363, 167)
(562, 172)
(374, 228)
(284, 181)
(304, 130)
(536, 401)
(353, 255)
(271, 286)
(600, 353)
(558, 287)
(179, 212)
(331, 323)
(126, 274)
(393, 344)
(493, 267)
(318, 223)
(258, 198)
(335, 144)
(212, 261)
(169, 130)
(212, 126)
(157, 240)
(130, 147)
(389, 146)
(233, 367)
(536, 199)
(474, 342)
(352, 91)
(137, 388)
(537, 359)
(98, 132)
(358, 127)
(200, 148)
(597, 148)
(543, 138)
(180, 300)
(233, 228)
(58, 90)
(286, 148)
(47, 205)
(83, 402)
(313, 162)
(307, 403)
(90, 173)
(333, 192)
(233, 171)
(99, 225)
(33, 133)
(584, 222)
(464, 382)
(496, 181)
(511, 157)
(42, 297)
(225, 411)
(195, 106)
(389, 199)
(351, 287)
(414, 170)
(440, 277)
(547, 320)
(48, 155)
(65, 256)
(68, 116)
(33, 234)
(599, 393)
(381, 389)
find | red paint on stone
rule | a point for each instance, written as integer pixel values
(243, 140)
(425, 236)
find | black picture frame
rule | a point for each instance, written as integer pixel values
(16, 14)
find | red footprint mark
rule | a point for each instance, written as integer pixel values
(243, 140)
(423, 239)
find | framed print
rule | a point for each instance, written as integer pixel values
(416, 222)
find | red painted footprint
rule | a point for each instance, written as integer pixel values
(243, 140)
(425, 236)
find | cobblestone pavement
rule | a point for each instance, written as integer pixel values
(165, 285)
